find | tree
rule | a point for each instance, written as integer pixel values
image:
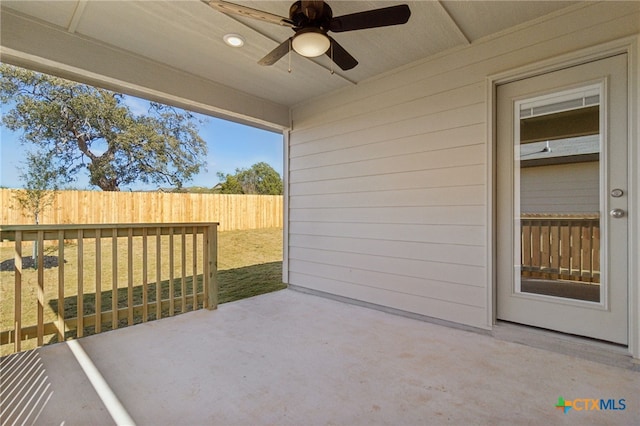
(84, 127)
(231, 185)
(260, 178)
(41, 179)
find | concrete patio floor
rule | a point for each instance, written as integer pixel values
(289, 358)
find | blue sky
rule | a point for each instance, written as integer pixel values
(230, 146)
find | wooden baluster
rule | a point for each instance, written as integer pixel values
(171, 273)
(98, 298)
(158, 273)
(130, 276)
(545, 247)
(205, 267)
(586, 251)
(523, 244)
(554, 249)
(581, 249)
(575, 249)
(145, 299)
(529, 246)
(61, 324)
(536, 251)
(79, 297)
(40, 256)
(17, 313)
(565, 248)
(114, 278)
(194, 275)
(596, 251)
(183, 260)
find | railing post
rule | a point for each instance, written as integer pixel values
(212, 261)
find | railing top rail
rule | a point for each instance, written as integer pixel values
(573, 216)
(51, 232)
(102, 226)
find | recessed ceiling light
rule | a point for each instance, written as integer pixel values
(234, 40)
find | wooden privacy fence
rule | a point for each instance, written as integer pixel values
(231, 211)
(561, 247)
(93, 278)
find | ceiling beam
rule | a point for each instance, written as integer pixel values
(456, 26)
(77, 15)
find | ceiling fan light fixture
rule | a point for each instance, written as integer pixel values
(311, 42)
(233, 40)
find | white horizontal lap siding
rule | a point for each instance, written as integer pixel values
(372, 226)
(387, 179)
(436, 308)
(430, 215)
(412, 179)
(565, 188)
(472, 255)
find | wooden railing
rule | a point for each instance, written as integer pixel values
(85, 279)
(561, 247)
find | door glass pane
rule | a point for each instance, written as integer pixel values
(558, 205)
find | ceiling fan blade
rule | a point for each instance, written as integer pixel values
(340, 56)
(393, 15)
(248, 12)
(277, 53)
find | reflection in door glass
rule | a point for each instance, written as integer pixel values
(559, 195)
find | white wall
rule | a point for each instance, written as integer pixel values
(388, 179)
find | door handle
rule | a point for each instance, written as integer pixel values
(616, 213)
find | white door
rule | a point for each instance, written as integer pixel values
(562, 200)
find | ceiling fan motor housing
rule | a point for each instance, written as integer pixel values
(313, 14)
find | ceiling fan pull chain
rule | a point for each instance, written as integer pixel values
(290, 41)
(332, 62)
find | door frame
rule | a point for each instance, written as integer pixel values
(630, 46)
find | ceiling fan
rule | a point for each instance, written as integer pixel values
(311, 21)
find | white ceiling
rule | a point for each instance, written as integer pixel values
(187, 35)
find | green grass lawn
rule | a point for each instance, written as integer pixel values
(249, 264)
